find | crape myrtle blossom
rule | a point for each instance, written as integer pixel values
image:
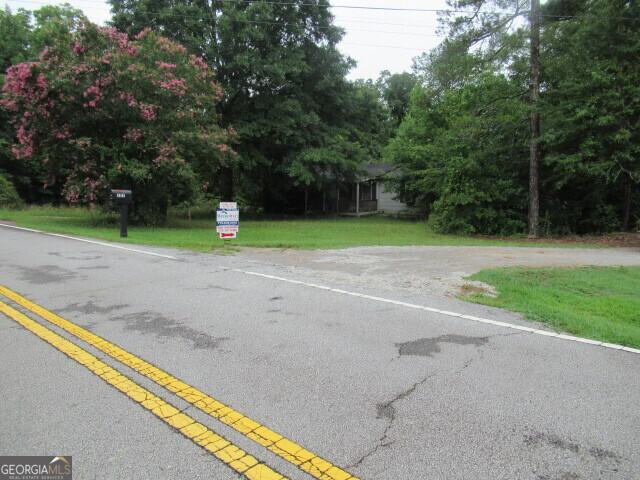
(165, 65)
(177, 86)
(134, 134)
(109, 110)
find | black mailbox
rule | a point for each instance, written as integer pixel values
(122, 198)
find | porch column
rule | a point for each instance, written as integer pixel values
(357, 198)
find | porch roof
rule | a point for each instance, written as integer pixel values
(373, 171)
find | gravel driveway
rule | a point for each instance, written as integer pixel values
(434, 270)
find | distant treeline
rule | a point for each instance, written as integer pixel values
(285, 119)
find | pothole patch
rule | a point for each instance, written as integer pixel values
(427, 347)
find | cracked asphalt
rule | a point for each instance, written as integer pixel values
(380, 390)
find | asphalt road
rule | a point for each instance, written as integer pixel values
(381, 390)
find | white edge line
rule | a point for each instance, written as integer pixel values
(472, 318)
(94, 242)
(545, 333)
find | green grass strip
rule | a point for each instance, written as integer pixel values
(601, 303)
(199, 234)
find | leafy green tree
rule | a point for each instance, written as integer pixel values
(53, 25)
(14, 44)
(342, 150)
(285, 89)
(463, 156)
(23, 36)
(589, 105)
(395, 90)
(489, 38)
(14, 37)
(104, 111)
(592, 137)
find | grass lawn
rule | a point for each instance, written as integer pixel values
(601, 303)
(199, 234)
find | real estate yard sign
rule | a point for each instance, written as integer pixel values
(227, 220)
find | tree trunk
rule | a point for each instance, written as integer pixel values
(534, 147)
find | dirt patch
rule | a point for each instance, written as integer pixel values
(473, 287)
(619, 239)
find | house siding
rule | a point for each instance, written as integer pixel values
(387, 202)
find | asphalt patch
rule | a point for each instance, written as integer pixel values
(385, 410)
(45, 274)
(563, 476)
(536, 439)
(83, 256)
(89, 308)
(153, 323)
(427, 347)
(216, 287)
(540, 438)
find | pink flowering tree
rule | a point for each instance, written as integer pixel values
(108, 111)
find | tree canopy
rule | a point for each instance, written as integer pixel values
(299, 121)
(23, 35)
(463, 145)
(395, 90)
(105, 111)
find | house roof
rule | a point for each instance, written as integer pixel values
(377, 170)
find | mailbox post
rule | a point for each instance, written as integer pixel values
(122, 198)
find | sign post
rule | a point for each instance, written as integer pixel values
(227, 220)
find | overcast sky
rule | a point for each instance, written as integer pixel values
(377, 39)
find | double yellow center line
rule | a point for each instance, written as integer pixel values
(233, 456)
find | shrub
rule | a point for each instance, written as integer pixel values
(8, 196)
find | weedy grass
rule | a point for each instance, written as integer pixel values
(602, 303)
(312, 233)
